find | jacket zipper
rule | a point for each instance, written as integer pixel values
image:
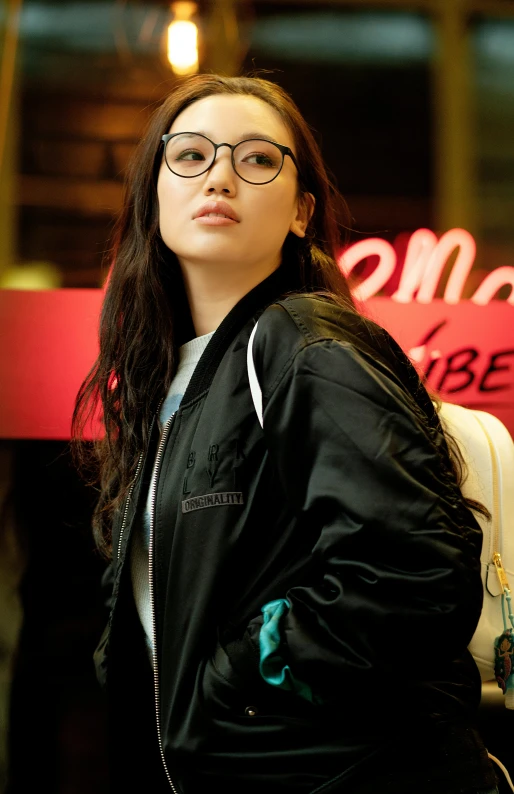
(127, 502)
(153, 493)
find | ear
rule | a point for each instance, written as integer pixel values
(304, 209)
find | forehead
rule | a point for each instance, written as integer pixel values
(229, 118)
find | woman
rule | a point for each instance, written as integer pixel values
(291, 606)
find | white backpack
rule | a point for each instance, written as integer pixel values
(488, 452)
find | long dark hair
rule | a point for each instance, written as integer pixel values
(144, 317)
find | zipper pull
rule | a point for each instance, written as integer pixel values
(502, 576)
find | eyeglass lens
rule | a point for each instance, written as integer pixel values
(255, 161)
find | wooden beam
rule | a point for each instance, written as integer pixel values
(501, 8)
(382, 213)
(80, 196)
(491, 8)
(7, 69)
(224, 46)
(413, 5)
(8, 130)
(455, 133)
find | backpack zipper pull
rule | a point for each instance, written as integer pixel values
(502, 576)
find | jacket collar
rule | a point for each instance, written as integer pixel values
(254, 302)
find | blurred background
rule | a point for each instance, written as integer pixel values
(413, 104)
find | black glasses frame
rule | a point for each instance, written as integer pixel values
(284, 150)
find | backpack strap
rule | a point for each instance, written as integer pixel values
(252, 377)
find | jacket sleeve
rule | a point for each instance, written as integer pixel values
(396, 573)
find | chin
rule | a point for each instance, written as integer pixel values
(212, 254)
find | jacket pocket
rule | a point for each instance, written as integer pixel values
(224, 690)
(248, 700)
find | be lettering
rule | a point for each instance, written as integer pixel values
(465, 367)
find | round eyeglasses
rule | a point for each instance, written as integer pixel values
(256, 161)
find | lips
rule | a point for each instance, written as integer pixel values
(217, 209)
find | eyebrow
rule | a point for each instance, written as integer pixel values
(255, 134)
(244, 137)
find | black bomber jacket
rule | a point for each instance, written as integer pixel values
(346, 505)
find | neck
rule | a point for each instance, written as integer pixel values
(213, 291)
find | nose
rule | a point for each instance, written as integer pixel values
(220, 178)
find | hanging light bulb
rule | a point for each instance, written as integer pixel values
(183, 38)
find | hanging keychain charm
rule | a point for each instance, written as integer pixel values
(504, 644)
(503, 665)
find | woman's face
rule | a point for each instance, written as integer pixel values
(265, 213)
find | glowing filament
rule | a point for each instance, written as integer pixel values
(183, 47)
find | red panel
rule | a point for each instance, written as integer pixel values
(48, 342)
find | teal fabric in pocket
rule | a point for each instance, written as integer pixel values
(272, 665)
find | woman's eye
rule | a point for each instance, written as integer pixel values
(190, 154)
(257, 158)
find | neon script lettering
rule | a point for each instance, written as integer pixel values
(425, 260)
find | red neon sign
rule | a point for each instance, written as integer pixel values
(425, 260)
(465, 348)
